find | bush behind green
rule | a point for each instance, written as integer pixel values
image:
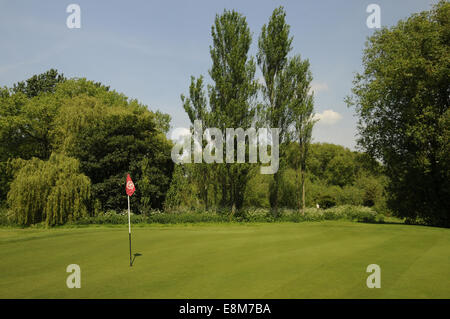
(248, 215)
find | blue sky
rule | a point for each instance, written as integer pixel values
(149, 49)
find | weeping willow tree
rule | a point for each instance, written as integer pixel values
(52, 191)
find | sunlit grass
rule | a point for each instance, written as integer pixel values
(278, 260)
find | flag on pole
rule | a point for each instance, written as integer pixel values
(130, 191)
(130, 186)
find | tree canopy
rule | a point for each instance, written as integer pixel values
(287, 104)
(402, 99)
(106, 133)
(67, 144)
(53, 191)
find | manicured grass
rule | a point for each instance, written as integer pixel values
(279, 260)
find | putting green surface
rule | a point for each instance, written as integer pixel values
(280, 260)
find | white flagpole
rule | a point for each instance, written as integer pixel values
(129, 228)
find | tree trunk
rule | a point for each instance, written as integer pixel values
(206, 197)
(233, 210)
(274, 194)
(299, 205)
(302, 189)
(303, 197)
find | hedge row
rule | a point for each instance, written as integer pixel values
(347, 212)
(353, 213)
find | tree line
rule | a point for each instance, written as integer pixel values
(66, 145)
(231, 101)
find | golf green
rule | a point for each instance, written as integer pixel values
(279, 260)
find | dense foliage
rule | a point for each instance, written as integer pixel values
(52, 191)
(66, 145)
(232, 102)
(287, 103)
(402, 99)
(351, 213)
(336, 176)
(103, 131)
(112, 137)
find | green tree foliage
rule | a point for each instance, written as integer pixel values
(232, 72)
(232, 94)
(341, 170)
(402, 99)
(25, 124)
(362, 181)
(201, 174)
(337, 165)
(5, 180)
(274, 45)
(41, 83)
(231, 103)
(52, 191)
(372, 191)
(302, 111)
(183, 192)
(257, 193)
(108, 133)
(112, 137)
(26, 113)
(287, 103)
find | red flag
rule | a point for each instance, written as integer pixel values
(130, 186)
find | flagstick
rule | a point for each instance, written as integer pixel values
(129, 228)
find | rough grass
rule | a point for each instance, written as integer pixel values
(325, 259)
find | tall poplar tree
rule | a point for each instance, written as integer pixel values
(232, 97)
(287, 102)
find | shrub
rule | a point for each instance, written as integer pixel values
(327, 201)
(4, 220)
(251, 215)
(53, 191)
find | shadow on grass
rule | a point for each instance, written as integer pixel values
(134, 257)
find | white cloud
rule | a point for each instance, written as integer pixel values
(316, 87)
(328, 117)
